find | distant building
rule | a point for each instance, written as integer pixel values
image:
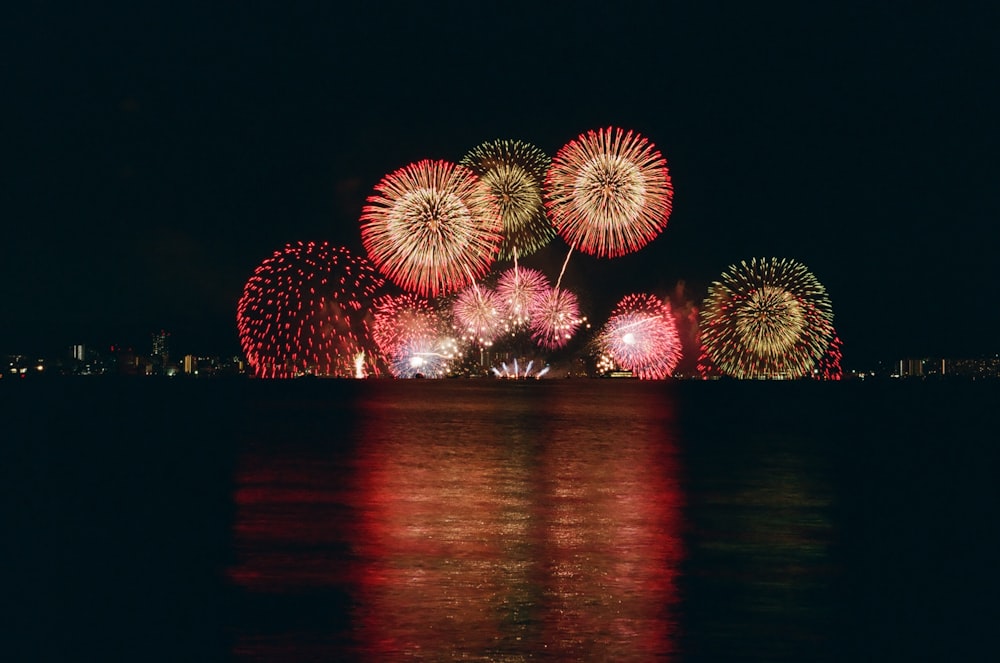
(125, 360)
(943, 367)
(160, 356)
(984, 367)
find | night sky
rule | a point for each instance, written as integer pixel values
(152, 158)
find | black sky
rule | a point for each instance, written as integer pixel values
(152, 157)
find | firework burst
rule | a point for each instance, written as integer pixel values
(432, 227)
(306, 310)
(515, 172)
(414, 336)
(555, 317)
(608, 192)
(641, 336)
(766, 319)
(400, 318)
(518, 288)
(425, 357)
(478, 314)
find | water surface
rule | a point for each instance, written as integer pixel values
(557, 520)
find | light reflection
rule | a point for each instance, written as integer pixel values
(538, 538)
(504, 522)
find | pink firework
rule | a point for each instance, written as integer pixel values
(401, 318)
(641, 336)
(478, 314)
(306, 310)
(555, 316)
(432, 227)
(413, 336)
(518, 288)
(608, 192)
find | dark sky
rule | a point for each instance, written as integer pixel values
(153, 157)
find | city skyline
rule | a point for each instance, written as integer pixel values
(157, 158)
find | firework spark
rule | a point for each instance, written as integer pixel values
(766, 319)
(641, 336)
(306, 310)
(432, 227)
(608, 192)
(515, 173)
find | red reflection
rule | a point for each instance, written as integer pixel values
(454, 536)
(516, 545)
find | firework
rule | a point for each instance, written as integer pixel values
(641, 336)
(478, 314)
(555, 316)
(431, 227)
(608, 192)
(429, 357)
(515, 372)
(398, 318)
(306, 310)
(518, 288)
(413, 335)
(766, 319)
(515, 173)
(828, 366)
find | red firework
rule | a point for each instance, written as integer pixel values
(828, 366)
(306, 310)
(555, 316)
(432, 227)
(641, 336)
(402, 318)
(608, 192)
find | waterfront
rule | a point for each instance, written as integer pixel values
(489, 520)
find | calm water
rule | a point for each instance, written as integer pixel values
(560, 520)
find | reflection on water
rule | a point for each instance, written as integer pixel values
(491, 521)
(568, 520)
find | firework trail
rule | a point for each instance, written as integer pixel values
(766, 319)
(515, 171)
(306, 310)
(432, 227)
(641, 336)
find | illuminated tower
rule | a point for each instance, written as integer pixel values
(161, 351)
